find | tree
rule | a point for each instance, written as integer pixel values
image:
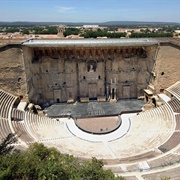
(25, 31)
(5, 146)
(71, 31)
(40, 162)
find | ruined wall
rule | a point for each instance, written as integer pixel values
(167, 67)
(7, 40)
(49, 78)
(91, 78)
(27, 56)
(132, 73)
(60, 74)
(12, 71)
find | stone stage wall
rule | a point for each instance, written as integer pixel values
(59, 74)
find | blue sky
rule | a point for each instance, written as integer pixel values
(90, 10)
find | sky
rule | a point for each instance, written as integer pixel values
(90, 10)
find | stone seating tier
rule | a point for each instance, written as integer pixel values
(6, 102)
(5, 129)
(17, 115)
(175, 90)
(164, 161)
(131, 178)
(173, 173)
(177, 117)
(171, 143)
(21, 131)
(175, 105)
(151, 128)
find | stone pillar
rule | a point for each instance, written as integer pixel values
(115, 80)
(111, 81)
(107, 92)
(114, 93)
(111, 93)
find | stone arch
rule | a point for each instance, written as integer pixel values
(91, 66)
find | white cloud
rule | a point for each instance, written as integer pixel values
(62, 9)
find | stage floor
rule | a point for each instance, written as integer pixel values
(93, 109)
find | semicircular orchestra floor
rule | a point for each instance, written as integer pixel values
(99, 125)
(118, 128)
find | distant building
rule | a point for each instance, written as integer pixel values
(177, 31)
(90, 26)
(61, 31)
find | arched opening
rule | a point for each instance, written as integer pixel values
(154, 101)
(113, 93)
(20, 97)
(161, 90)
(19, 79)
(91, 66)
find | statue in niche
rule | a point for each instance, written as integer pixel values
(91, 69)
(91, 66)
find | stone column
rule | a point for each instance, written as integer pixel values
(107, 92)
(111, 93)
(114, 93)
(111, 81)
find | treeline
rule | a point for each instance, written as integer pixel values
(71, 31)
(107, 32)
(11, 30)
(32, 30)
(44, 30)
(150, 34)
(40, 162)
(101, 33)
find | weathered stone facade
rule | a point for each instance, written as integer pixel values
(60, 73)
(167, 67)
(12, 70)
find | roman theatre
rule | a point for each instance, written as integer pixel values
(114, 99)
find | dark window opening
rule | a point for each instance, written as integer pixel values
(70, 95)
(64, 83)
(161, 90)
(57, 100)
(99, 77)
(21, 97)
(55, 84)
(154, 101)
(46, 53)
(19, 79)
(84, 77)
(113, 93)
(162, 73)
(127, 56)
(46, 70)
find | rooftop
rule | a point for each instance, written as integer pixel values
(89, 42)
